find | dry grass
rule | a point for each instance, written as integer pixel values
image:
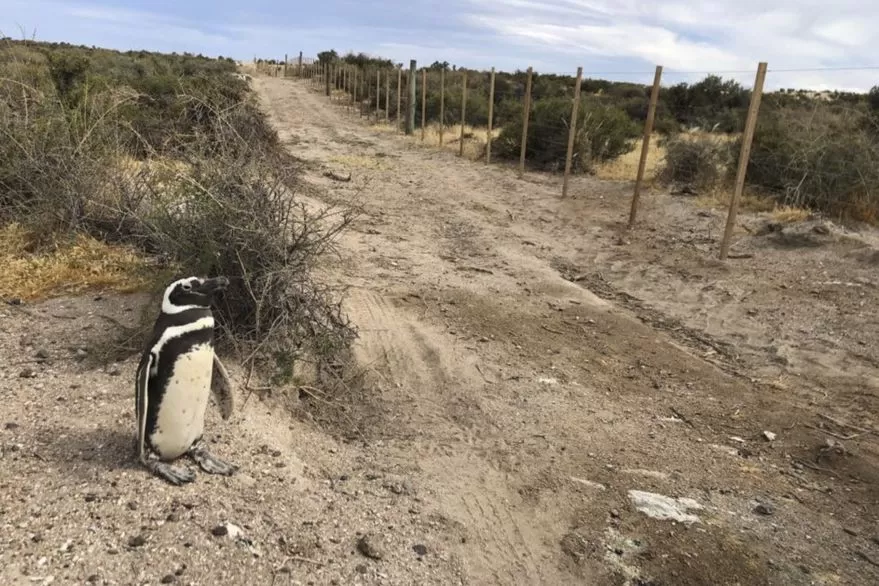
(70, 267)
(750, 201)
(625, 168)
(790, 214)
(475, 138)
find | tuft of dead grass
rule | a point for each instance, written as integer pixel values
(625, 167)
(751, 201)
(69, 267)
(790, 214)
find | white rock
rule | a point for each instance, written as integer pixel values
(659, 506)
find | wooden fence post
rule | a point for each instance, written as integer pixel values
(423, 101)
(572, 131)
(463, 113)
(744, 158)
(388, 96)
(327, 71)
(410, 115)
(399, 93)
(645, 145)
(442, 104)
(299, 69)
(526, 113)
(353, 86)
(378, 92)
(488, 136)
(285, 65)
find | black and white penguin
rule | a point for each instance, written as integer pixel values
(175, 378)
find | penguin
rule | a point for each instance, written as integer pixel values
(177, 373)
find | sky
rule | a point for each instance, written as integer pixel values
(804, 42)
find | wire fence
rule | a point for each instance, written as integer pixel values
(817, 151)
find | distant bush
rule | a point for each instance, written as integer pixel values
(604, 132)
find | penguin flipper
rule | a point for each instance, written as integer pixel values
(221, 387)
(141, 385)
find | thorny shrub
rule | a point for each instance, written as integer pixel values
(192, 175)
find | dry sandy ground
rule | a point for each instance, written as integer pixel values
(529, 366)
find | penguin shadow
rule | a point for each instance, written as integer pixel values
(93, 451)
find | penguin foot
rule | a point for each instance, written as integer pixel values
(210, 464)
(176, 475)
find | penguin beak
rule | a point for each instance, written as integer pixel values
(212, 286)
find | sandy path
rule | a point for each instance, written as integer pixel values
(527, 369)
(502, 382)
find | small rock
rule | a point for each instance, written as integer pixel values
(80, 354)
(419, 549)
(219, 531)
(11, 425)
(132, 506)
(67, 546)
(90, 497)
(764, 509)
(168, 579)
(368, 547)
(93, 579)
(850, 531)
(113, 370)
(172, 518)
(821, 229)
(769, 436)
(41, 355)
(137, 541)
(27, 373)
(361, 568)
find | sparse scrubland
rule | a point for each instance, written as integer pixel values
(128, 169)
(811, 151)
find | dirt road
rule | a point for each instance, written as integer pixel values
(529, 367)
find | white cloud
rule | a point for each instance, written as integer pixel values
(716, 35)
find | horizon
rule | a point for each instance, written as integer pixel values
(613, 41)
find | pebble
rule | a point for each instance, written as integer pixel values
(168, 579)
(137, 541)
(27, 373)
(419, 549)
(367, 546)
(219, 531)
(764, 509)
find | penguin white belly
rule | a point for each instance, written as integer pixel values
(180, 420)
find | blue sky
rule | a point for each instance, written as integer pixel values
(626, 37)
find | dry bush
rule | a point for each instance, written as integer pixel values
(822, 157)
(207, 191)
(700, 161)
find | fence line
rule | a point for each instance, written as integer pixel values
(529, 126)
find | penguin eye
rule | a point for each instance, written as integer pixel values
(187, 287)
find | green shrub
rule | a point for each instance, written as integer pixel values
(604, 132)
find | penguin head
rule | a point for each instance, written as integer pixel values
(192, 293)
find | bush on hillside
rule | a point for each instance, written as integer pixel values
(603, 133)
(822, 157)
